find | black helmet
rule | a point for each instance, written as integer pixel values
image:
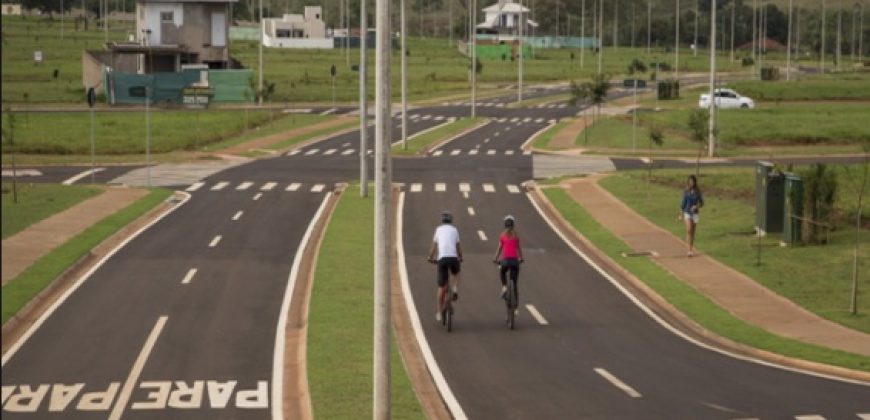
(446, 217)
(509, 221)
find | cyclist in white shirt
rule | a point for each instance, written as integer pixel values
(449, 257)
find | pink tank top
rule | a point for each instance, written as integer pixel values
(509, 246)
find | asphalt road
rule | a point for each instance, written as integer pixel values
(147, 337)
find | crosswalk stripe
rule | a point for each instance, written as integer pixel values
(507, 128)
(496, 134)
(513, 189)
(440, 187)
(809, 417)
(293, 152)
(311, 152)
(330, 151)
(437, 153)
(455, 152)
(472, 152)
(348, 152)
(219, 186)
(514, 119)
(426, 117)
(527, 120)
(195, 186)
(244, 186)
(318, 188)
(864, 416)
(268, 186)
(508, 152)
(464, 187)
(562, 106)
(417, 187)
(294, 186)
(488, 188)
(527, 152)
(539, 120)
(490, 152)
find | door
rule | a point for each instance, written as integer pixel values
(218, 30)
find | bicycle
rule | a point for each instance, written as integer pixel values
(511, 299)
(447, 298)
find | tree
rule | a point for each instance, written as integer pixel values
(853, 305)
(820, 187)
(594, 91)
(699, 125)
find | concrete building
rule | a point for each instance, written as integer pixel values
(297, 31)
(11, 9)
(504, 18)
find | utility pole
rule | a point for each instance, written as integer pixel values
(822, 48)
(473, 58)
(732, 32)
(105, 22)
(363, 100)
(147, 137)
(695, 41)
(347, 33)
(788, 45)
(754, 32)
(450, 21)
(649, 26)
(404, 62)
(383, 216)
(797, 32)
(677, 44)
(861, 33)
(260, 58)
(61, 19)
(711, 149)
(600, 35)
(615, 25)
(838, 53)
(582, 30)
(851, 28)
(520, 26)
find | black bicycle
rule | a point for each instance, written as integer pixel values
(511, 298)
(447, 298)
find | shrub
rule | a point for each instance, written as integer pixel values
(820, 192)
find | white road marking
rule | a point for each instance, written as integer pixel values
(81, 175)
(281, 329)
(189, 276)
(195, 186)
(465, 195)
(513, 189)
(346, 145)
(464, 187)
(329, 111)
(215, 241)
(481, 235)
(257, 196)
(864, 416)
(318, 188)
(136, 371)
(293, 152)
(293, 187)
(219, 186)
(455, 152)
(440, 187)
(486, 140)
(537, 315)
(244, 186)
(527, 120)
(472, 152)
(311, 152)
(490, 152)
(539, 120)
(617, 383)
(471, 211)
(238, 215)
(507, 128)
(330, 151)
(22, 172)
(348, 152)
(645, 160)
(514, 119)
(426, 117)
(809, 417)
(509, 152)
(563, 106)
(415, 188)
(496, 134)
(439, 118)
(268, 186)
(488, 188)
(527, 152)
(437, 153)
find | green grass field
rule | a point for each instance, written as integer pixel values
(340, 321)
(688, 300)
(851, 86)
(424, 141)
(817, 277)
(21, 289)
(316, 133)
(543, 140)
(39, 201)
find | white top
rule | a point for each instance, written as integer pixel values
(447, 237)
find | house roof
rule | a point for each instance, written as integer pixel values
(506, 7)
(187, 1)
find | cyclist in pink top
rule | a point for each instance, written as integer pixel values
(509, 254)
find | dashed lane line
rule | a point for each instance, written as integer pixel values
(238, 215)
(617, 383)
(318, 188)
(437, 153)
(471, 211)
(416, 187)
(464, 187)
(257, 196)
(219, 186)
(491, 152)
(195, 186)
(481, 235)
(513, 189)
(537, 315)
(311, 152)
(488, 188)
(268, 186)
(330, 151)
(189, 276)
(440, 187)
(348, 152)
(244, 186)
(215, 241)
(293, 187)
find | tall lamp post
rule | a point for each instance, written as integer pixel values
(404, 62)
(363, 101)
(711, 149)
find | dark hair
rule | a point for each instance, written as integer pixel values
(694, 180)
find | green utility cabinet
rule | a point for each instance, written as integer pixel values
(769, 199)
(794, 209)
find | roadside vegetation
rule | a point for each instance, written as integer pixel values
(340, 320)
(817, 277)
(685, 298)
(25, 286)
(425, 141)
(39, 201)
(543, 140)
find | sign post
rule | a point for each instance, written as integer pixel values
(92, 100)
(332, 73)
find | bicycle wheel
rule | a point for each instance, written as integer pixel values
(448, 316)
(512, 304)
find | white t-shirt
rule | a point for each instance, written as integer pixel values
(446, 236)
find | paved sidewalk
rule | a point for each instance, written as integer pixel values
(735, 292)
(26, 247)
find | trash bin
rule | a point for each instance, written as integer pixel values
(793, 209)
(769, 199)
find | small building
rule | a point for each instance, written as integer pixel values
(307, 30)
(506, 18)
(11, 9)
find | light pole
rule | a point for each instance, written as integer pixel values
(695, 39)
(582, 30)
(822, 48)
(260, 58)
(404, 62)
(677, 44)
(600, 35)
(648, 26)
(473, 58)
(788, 45)
(711, 149)
(520, 25)
(383, 219)
(61, 19)
(147, 136)
(105, 23)
(363, 101)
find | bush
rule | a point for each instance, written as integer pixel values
(747, 61)
(820, 191)
(669, 89)
(769, 73)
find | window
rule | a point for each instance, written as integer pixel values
(166, 17)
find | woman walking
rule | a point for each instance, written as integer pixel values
(689, 208)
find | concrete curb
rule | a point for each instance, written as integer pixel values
(675, 317)
(15, 328)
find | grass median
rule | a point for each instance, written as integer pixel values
(24, 287)
(39, 201)
(421, 143)
(543, 140)
(689, 301)
(340, 321)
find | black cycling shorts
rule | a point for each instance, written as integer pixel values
(447, 266)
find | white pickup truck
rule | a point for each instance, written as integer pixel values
(726, 98)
